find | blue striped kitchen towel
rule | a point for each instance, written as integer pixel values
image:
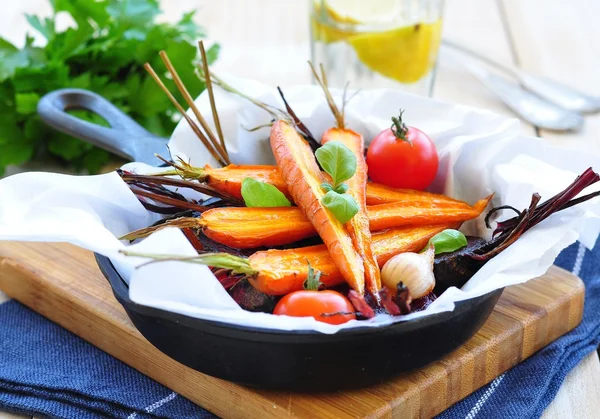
(47, 371)
(527, 389)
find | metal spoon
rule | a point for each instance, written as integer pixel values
(528, 106)
(557, 93)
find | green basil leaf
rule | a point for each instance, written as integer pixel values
(337, 160)
(343, 206)
(260, 194)
(342, 188)
(448, 241)
(326, 187)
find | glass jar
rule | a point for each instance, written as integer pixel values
(377, 43)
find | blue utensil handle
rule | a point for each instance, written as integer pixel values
(121, 138)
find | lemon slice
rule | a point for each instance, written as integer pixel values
(404, 54)
(362, 11)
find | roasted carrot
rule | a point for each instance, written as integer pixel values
(283, 271)
(299, 169)
(247, 228)
(279, 272)
(229, 179)
(378, 194)
(358, 226)
(398, 213)
(243, 227)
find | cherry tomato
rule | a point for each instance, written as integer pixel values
(402, 157)
(323, 306)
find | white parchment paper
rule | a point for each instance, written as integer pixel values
(480, 153)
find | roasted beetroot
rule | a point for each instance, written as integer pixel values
(456, 268)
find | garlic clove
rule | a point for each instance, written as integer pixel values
(414, 270)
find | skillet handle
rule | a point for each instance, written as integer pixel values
(118, 139)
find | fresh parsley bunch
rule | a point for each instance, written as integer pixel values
(105, 53)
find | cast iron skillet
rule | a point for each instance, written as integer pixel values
(283, 360)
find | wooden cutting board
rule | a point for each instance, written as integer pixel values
(62, 283)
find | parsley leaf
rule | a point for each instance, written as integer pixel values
(26, 102)
(46, 28)
(11, 59)
(104, 53)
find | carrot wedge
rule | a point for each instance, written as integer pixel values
(235, 227)
(247, 228)
(283, 271)
(358, 226)
(229, 180)
(398, 213)
(279, 272)
(378, 194)
(299, 169)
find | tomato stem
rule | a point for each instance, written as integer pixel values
(399, 128)
(312, 282)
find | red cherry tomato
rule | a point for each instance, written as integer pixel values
(402, 157)
(325, 306)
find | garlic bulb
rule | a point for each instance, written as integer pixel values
(415, 270)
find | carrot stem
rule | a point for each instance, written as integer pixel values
(190, 101)
(168, 201)
(184, 222)
(184, 114)
(322, 80)
(314, 144)
(133, 178)
(275, 112)
(218, 260)
(183, 169)
(211, 96)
